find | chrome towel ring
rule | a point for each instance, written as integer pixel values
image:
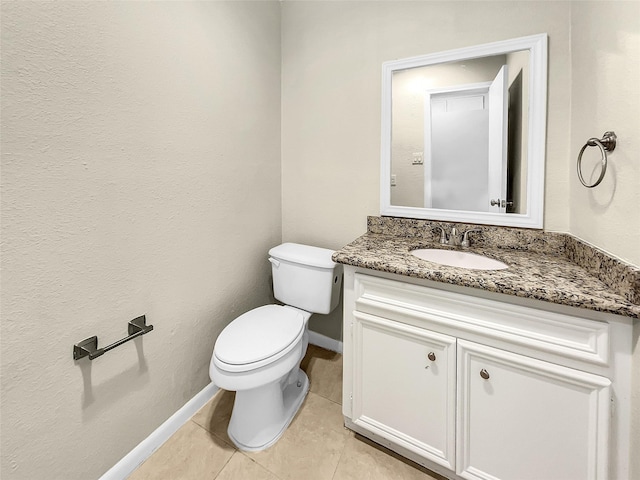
(606, 144)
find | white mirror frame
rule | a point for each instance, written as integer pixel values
(533, 218)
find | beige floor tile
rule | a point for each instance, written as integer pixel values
(215, 415)
(324, 369)
(191, 453)
(312, 445)
(241, 467)
(364, 459)
(320, 410)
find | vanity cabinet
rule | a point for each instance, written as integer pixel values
(478, 389)
(526, 419)
(405, 385)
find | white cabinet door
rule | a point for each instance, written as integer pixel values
(404, 386)
(525, 419)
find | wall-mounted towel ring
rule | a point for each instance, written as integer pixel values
(606, 144)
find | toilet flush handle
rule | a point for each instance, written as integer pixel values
(274, 261)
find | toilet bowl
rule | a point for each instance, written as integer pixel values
(258, 354)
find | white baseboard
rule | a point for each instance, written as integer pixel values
(325, 342)
(139, 454)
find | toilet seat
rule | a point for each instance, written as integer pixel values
(257, 338)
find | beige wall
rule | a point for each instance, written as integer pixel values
(605, 65)
(605, 96)
(140, 175)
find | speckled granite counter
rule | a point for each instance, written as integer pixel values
(551, 267)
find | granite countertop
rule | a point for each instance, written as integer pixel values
(535, 274)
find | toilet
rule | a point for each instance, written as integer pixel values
(258, 354)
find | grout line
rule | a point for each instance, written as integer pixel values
(235, 450)
(260, 464)
(327, 398)
(224, 466)
(335, 470)
(217, 436)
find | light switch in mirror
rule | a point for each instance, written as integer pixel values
(464, 134)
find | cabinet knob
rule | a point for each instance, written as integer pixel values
(484, 374)
(432, 356)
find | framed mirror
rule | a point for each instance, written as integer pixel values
(463, 134)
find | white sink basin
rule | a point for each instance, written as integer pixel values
(456, 258)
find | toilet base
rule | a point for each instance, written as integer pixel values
(261, 415)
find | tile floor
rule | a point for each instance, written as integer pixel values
(316, 446)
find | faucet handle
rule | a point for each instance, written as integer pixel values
(443, 235)
(465, 237)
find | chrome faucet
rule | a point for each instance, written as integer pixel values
(454, 239)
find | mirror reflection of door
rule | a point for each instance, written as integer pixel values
(498, 121)
(457, 121)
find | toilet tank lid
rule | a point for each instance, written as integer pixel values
(303, 254)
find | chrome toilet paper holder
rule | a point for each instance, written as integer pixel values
(89, 346)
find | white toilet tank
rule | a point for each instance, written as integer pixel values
(305, 277)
